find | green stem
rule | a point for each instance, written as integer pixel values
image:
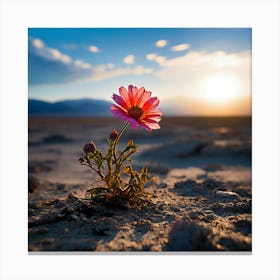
(118, 138)
(98, 171)
(115, 144)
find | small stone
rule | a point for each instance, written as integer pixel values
(74, 217)
(61, 215)
(70, 209)
(225, 195)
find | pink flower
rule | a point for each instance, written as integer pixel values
(137, 107)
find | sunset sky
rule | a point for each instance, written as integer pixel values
(193, 71)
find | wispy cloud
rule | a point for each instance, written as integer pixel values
(37, 43)
(129, 59)
(157, 58)
(103, 72)
(161, 43)
(48, 65)
(151, 56)
(38, 47)
(93, 49)
(82, 64)
(180, 47)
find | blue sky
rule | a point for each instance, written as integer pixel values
(71, 63)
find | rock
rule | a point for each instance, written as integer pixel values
(74, 217)
(186, 235)
(227, 196)
(33, 183)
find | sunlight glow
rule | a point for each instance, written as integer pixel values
(221, 88)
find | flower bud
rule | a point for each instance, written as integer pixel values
(114, 134)
(89, 147)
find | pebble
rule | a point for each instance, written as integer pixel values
(227, 195)
(70, 209)
(74, 217)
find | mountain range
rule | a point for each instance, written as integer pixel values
(69, 108)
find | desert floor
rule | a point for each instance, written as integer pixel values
(202, 200)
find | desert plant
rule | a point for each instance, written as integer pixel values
(123, 184)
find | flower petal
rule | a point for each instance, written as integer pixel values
(119, 100)
(144, 97)
(124, 94)
(155, 112)
(133, 124)
(151, 104)
(118, 112)
(145, 126)
(152, 119)
(132, 93)
(150, 126)
(138, 95)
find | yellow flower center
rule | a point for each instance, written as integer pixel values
(135, 112)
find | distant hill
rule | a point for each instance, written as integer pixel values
(69, 108)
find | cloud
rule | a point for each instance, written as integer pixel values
(48, 66)
(180, 47)
(161, 43)
(37, 47)
(187, 76)
(157, 58)
(102, 72)
(37, 43)
(214, 60)
(129, 59)
(93, 49)
(151, 56)
(56, 54)
(82, 64)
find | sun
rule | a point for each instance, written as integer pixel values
(220, 88)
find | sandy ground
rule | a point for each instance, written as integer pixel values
(202, 200)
